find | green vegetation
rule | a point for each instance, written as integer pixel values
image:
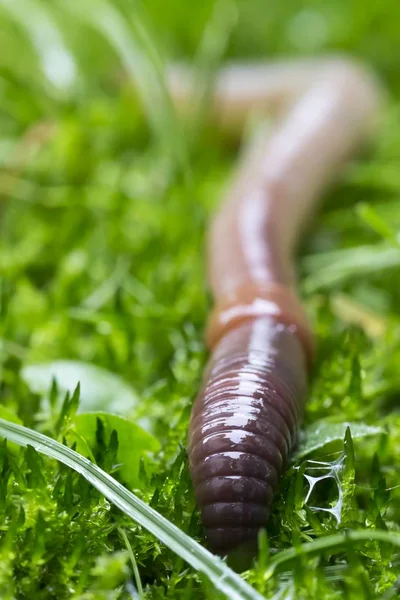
(104, 201)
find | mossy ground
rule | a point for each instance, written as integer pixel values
(101, 260)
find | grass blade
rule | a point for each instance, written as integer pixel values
(132, 558)
(41, 29)
(331, 543)
(223, 578)
(209, 55)
(331, 269)
(141, 60)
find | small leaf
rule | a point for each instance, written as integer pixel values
(347, 476)
(132, 441)
(111, 456)
(371, 218)
(35, 477)
(68, 410)
(100, 390)
(74, 402)
(53, 395)
(320, 434)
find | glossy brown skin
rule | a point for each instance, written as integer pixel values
(246, 417)
(244, 424)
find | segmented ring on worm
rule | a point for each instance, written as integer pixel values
(244, 423)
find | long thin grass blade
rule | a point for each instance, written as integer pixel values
(330, 269)
(209, 55)
(133, 562)
(142, 62)
(331, 543)
(36, 20)
(223, 578)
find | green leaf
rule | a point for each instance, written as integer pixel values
(319, 434)
(348, 476)
(100, 390)
(68, 408)
(133, 441)
(36, 477)
(223, 578)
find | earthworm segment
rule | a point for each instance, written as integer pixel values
(247, 414)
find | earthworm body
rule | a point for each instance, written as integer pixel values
(246, 417)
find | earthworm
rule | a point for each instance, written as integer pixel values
(246, 417)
